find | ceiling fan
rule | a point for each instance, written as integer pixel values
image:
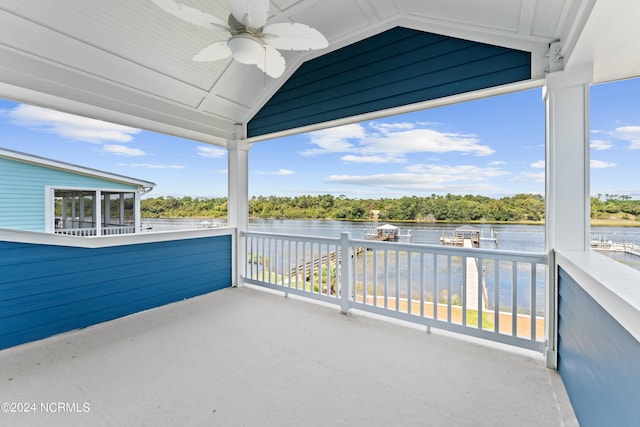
(249, 41)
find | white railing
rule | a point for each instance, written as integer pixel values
(437, 286)
(106, 231)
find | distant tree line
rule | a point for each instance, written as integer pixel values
(614, 206)
(184, 207)
(435, 208)
(450, 207)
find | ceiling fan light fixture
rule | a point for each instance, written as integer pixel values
(249, 40)
(245, 48)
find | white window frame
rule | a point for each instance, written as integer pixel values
(49, 204)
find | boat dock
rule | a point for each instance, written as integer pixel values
(609, 246)
(468, 233)
(388, 233)
(474, 282)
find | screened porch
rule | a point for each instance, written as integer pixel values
(77, 213)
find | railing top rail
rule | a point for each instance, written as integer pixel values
(455, 251)
(300, 237)
(536, 257)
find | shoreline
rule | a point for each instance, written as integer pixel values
(594, 222)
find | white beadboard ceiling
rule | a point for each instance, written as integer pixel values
(129, 62)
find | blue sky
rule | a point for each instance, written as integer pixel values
(492, 147)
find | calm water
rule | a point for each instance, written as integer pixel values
(529, 238)
(514, 237)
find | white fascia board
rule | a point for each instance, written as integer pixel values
(68, 167)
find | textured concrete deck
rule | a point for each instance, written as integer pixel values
(244, 357)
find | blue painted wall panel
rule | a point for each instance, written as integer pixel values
(46, 289)
(598, 359)
(398, 67)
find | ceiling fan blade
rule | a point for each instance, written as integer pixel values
(273, 63)
(250, 13)
(293, 36)
(191, 15)
(213, 52)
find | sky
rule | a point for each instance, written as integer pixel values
(492, 147)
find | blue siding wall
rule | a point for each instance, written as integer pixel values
(398, 67)
(598, 359)
(22, 191)
(46, 290)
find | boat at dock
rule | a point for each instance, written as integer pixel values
(388, 233)
(469, 234)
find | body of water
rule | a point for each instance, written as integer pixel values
(512, 237)
(528, 238)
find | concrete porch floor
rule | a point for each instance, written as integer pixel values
(244, 357)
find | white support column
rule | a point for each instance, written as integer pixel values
(64, 212)
(136, 212)
(238, 200)
(81, 202)
(97, 212)
(107, 209)
(121, 222)
(566, 97)
(74, 214)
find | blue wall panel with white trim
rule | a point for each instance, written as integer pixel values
(598, 359)
(47, 289)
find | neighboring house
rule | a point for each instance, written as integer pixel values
(39, 194)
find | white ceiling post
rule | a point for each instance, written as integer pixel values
(97, 207)
(121, 209)
(567, 216)
(49, 210)
(566, 97)
(64, 211)
(137, 220)
(74, 214)
(238, 200)
(81, 202)
(107, 209)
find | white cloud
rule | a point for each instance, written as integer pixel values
(282, 172)
(409, 182)
(630, 134)
(150, 166)
(529, 177)
(391, 127)
(210, 152)
(351, 158)
(69, 126)
(430, 178)
(600, 144)
(334, 140)
(461, 172)
(425, 141)
(599, 164)
(497, 163)
(540, 164)
(123, 150)
(392, 142)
